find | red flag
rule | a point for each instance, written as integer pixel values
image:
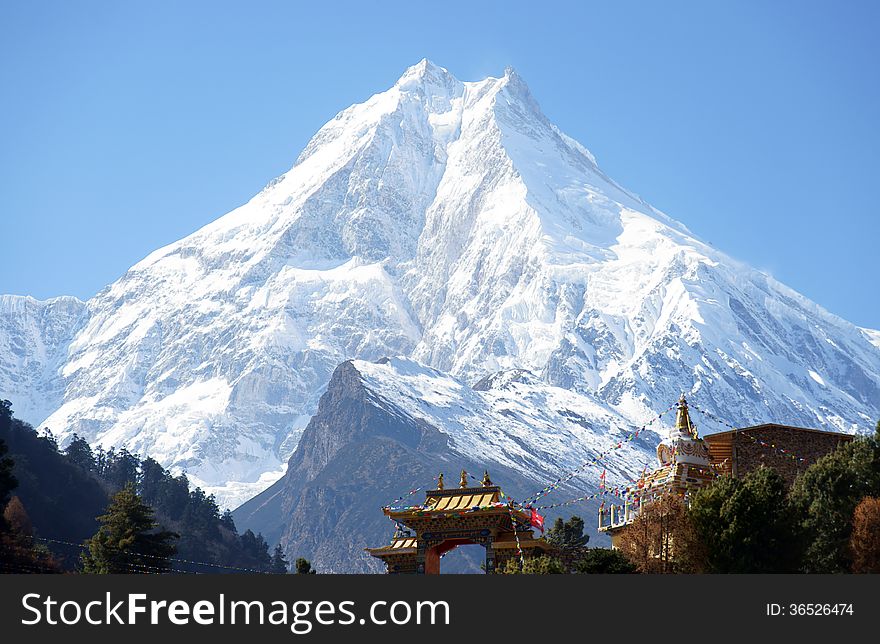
(537, 520)
(602, 480)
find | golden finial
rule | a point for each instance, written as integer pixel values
(486, 480)
(682, 417)
(440, 481)
(464, 481)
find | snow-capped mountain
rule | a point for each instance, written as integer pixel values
(452, 223)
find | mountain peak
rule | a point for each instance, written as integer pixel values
(424, 73)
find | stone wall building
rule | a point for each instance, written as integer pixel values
(686, 462)
(788, 450)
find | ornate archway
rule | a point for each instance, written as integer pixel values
(450, 518)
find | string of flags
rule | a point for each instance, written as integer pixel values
(403, 497)
(616, 492)
(632, 493)
(522, 558)
(175, 559)
(740, 432)
(567, 477)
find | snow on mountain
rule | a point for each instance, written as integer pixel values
(512, 419)
(34, 336)
(452, 223)
(873, 336)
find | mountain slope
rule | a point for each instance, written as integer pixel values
(452, 223)
(34, 337)
(387, 427)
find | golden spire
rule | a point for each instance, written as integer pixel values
(683, 419)
(463, 482)
(440, 481)
(486, 480)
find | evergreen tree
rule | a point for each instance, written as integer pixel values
(8, 482)
(746, 524)
(568, 534)
(279, 565)
(80, 454)
(604, 561)
(542, 565)
(120, 469)
(127, 541)
(825, 497)
(153, 483)
(304, 567)
(228, 522)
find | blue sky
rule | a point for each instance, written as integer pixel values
(125, 126)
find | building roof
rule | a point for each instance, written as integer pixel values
(462, 499)
(775, 426)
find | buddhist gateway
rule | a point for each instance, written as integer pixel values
(454, 517)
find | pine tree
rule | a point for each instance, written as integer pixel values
(543, 565)
(127, 541)
(568, 534)
(80, 454)
(120, 468)
(304, 567)
(604, 561)
(825, 497)
(228, 522)
(8, 482)
(747, 524)
(279, 565)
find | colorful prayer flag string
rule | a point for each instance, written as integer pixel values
(567, 477)
(742, 432)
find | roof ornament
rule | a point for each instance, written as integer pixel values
(440, 481)
(486, 480)
(464, 482)
(683, 422)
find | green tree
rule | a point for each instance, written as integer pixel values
(568, 534)
(304, 567)
(542, 565)
(80, 454)
(128, 540)
(604, 561)
(8, 482)
(825, 497)
(747, 524)
(279, 565)
(120, 468)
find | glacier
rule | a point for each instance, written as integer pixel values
(444, 222)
